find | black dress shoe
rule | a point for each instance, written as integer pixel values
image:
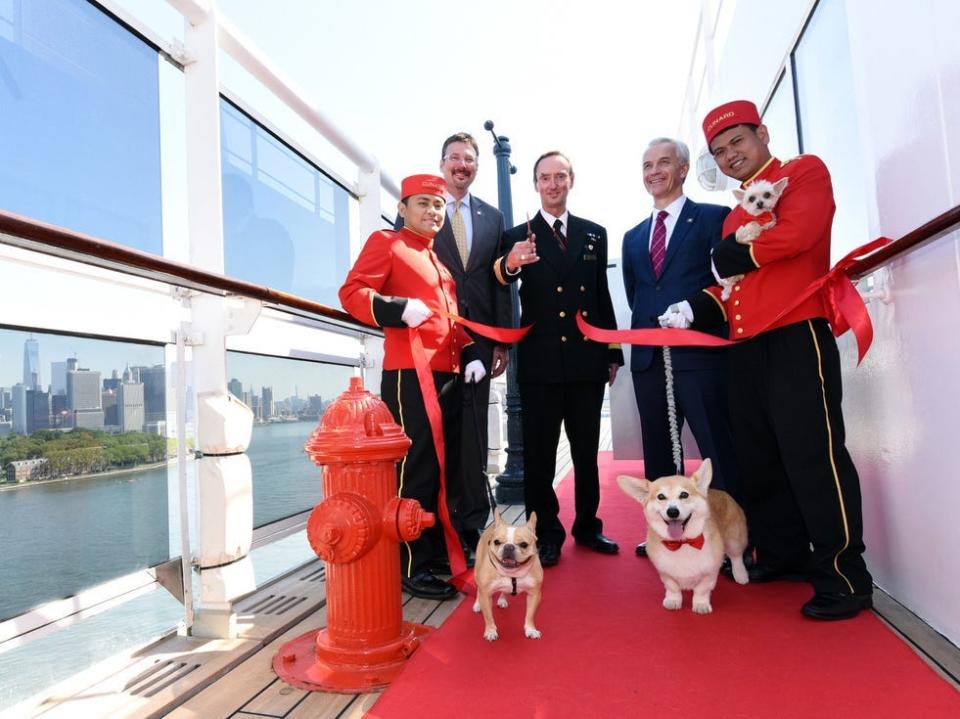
(549, 554)
(599, 543)
(836, 605)
(642, 549)
(425, 585)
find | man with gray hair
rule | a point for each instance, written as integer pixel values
(666, 258)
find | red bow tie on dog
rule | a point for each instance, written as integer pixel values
(674, 544)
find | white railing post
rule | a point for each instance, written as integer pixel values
(224, 496)
(368, 190)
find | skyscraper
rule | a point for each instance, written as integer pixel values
(267, 405)
(58, 377)
(235, 388)
(31, 364)
(130, 406)
(84, 398)
(154, 391)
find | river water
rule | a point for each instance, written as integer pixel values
(58, 538)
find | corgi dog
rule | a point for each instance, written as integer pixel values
(689, 529)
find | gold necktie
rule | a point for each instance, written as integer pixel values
(460, 234)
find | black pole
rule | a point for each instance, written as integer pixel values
(510, 483)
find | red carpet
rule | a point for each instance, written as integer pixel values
(610, 650)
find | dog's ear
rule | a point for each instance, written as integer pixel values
(739, 195)
(703, 475)
(532, 522)
(497, 518)
(634, 487)
(780, 185)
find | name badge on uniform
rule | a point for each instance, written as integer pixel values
(592, 239)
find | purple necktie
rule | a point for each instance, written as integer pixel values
(658, 245)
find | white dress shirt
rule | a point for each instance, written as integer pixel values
(564, 218)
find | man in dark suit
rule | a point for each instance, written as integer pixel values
(666, 258)
(563, 268)
(468, 243)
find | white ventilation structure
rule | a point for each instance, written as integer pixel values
(709, 175)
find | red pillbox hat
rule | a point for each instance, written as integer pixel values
(422, 185)
(738, 112)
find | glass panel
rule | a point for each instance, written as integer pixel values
(828, 119)
(41, 663)
(277, 558)
(287, 397)
(84, 489)
(79, 126)
(781, 119)
(286, 224)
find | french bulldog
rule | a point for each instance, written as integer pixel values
(507, 562)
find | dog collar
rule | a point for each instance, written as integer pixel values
(674, 544)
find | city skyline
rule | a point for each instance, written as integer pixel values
(286, 377)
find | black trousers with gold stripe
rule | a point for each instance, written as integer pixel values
(801, 488)
(418, 475)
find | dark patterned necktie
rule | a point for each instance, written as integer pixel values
(558, 233)
(658, 245)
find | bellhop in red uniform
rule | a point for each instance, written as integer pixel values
(801, 488)
(398, 282)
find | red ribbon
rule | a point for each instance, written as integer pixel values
(844, 305)
(674, 544)
(458, 563)
(462, 579)
(502, 335)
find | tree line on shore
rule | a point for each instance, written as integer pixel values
(82, 451)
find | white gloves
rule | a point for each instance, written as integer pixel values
(415, 312)
(678, 316)
(474, 372)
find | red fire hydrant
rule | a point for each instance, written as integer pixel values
(356, 530)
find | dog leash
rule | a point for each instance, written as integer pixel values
(478, 436)
(672, 411)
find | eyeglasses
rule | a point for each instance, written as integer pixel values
(558, 177)
(469, 160)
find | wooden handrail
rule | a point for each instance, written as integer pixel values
(101, 252)
(53, 237)
(935, 227)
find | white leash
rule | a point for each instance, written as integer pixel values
(672, 411)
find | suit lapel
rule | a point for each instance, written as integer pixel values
(445, 246)
(643, 250)
(575, 239)
(479, 216)
(547, 246)
(680, 231)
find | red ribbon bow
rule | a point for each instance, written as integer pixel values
(674, 544)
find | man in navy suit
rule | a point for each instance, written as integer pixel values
(666, 258)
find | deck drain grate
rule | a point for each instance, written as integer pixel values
(158, 677)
